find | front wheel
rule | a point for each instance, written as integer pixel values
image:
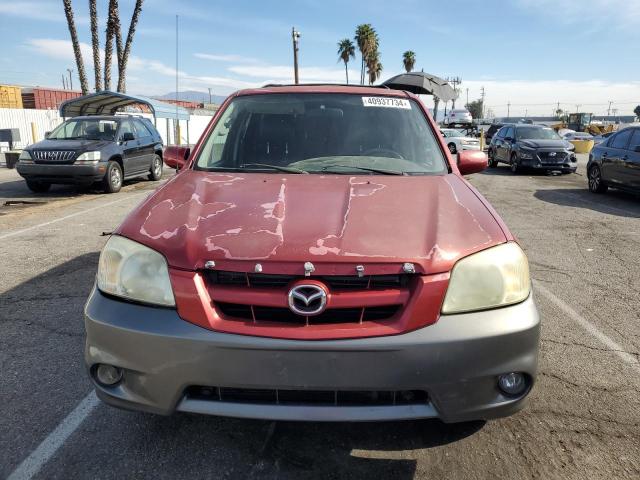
(515, 168)
(38, 187)
(492, 159)
(156, 168)
(596, 184)
(112, 182)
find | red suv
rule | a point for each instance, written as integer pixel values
(319, 256)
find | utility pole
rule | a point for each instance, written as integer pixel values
(482, 94)
(455, 82)
(609, 109)
(295, 36)
(526, 112)
(578, 107)
(64, 83)
(210, 96)
(467, 97)
(508, 108)
(70, 70)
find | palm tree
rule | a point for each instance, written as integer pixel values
(68, 11)
(367, 41)
(95, 43)
(374, 66)
(346, 50)
(408, 60)
(124, 58)
(113, 26)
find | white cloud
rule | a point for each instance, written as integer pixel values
(225, 58)
(45, 11)
(285, 73)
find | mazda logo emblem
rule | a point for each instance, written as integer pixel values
(307, 299)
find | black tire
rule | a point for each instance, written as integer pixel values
(112, 182)
(515, 168)
(594, 179)
(492, 159)
(452, 148)
(38, 187)
(155, 173)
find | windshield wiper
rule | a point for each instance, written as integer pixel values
(367, 169)
(274, 167)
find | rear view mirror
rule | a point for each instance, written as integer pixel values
(127, 137)
(471, 161)
(176, 156)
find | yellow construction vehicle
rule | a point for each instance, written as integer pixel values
(581, 122)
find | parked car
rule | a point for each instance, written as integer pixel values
(569, 136)
(318, 257)
(458, 116)
(532, 146)
(616, 162)
(93, 149)
(457, 141)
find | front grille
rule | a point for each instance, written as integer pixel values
(237, 311)
(308, 397)
(334, 282)
(53, 155)
(559, 157)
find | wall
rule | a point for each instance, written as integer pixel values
(47, 120)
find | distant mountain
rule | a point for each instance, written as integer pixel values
(192, 96)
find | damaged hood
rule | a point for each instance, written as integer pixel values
(334, 221)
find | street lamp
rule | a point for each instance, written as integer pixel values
(295, 36)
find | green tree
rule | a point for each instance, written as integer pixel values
(374, 66)
(367, 41)
(346, 51)
(475, 108)
(95, 44)
(124, 58)
(408, 60)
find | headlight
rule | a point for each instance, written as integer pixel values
(527, 154)
(130, 270)
(491, 278)
(25, 157)
(89, 157)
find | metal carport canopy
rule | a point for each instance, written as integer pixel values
(107, 103)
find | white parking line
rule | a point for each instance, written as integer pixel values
(31, 465)
(66, 217)
(591, 328)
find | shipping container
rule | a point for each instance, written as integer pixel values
(46, 98)
(10, 97)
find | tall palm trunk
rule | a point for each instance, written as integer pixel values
(346, 72)
(112, 20)
(95, 43)
(68, 11)
(127, 48)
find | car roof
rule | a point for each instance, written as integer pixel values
(325, 88)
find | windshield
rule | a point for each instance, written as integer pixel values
(320, 133)
(536, 133)
(87, 129)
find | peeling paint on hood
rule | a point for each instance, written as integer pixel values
(329, 219)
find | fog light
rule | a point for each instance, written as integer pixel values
(108, 374)
(512, 384)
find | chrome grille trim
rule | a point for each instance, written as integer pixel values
(53, 155)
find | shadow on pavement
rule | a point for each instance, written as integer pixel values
(614, 202)
(43, 378)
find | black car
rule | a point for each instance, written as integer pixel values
(616, 162)
(86, 150)
(532, 146)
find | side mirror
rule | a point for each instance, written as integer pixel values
(508, 139)
(471, 161)
(175, 156)
(636, 148)
(46, 134)
(127, 137)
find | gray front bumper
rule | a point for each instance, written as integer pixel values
(455, 360)
(64, 174)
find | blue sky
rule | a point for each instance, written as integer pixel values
(531, 53)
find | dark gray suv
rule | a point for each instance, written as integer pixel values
(94, 149)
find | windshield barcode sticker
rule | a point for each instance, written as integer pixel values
(386, 102)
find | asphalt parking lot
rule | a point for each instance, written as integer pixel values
(583, 420)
